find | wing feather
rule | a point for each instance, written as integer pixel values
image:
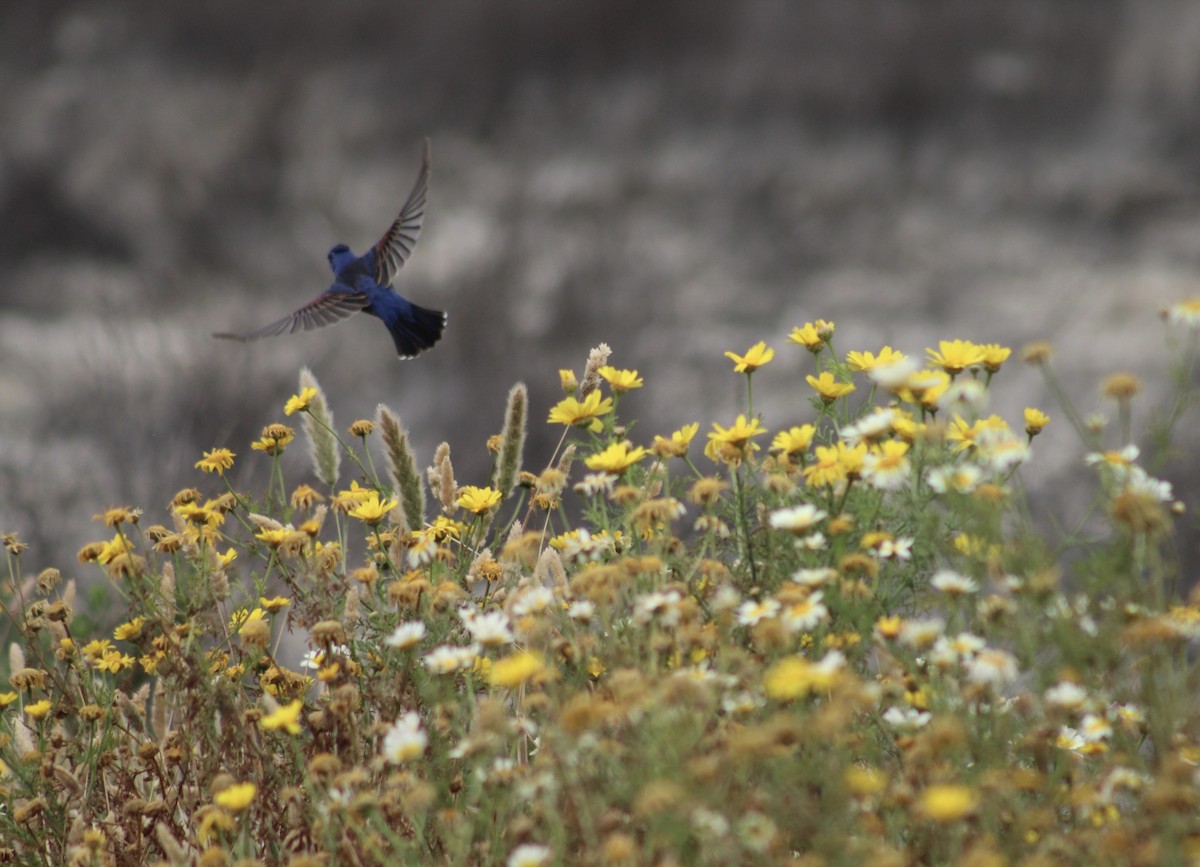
(396, 245)
(326, 309)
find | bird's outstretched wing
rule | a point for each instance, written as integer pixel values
(397, 243)
(327, 308)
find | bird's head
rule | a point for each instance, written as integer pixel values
(339, 257)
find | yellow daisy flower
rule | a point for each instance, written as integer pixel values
(477, 500)
(617, 458)
(216, 461)
(756, 356)
(372, 510)
(828, 387)
(38, 709)
(955, 356)
(515, 669)
(237, 797)
(620, 381)
(677, 445)
(299, 402)
(861, 362)
(570, 411)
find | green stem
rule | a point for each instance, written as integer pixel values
(735, 476)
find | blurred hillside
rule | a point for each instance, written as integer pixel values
(676, 178)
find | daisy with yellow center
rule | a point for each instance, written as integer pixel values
(616, 459)
(1121, 460)
(620, 381)
(754, 611)
(104, 552)
(1035, 420)
(828, 387)
(731, 443)
(477, 500)
(966, 436)
(353, 496)
(805, 615)
(275, 438)
(95, 649)
(372, 510)
(216, 461)
(515, 669)
(888, 626)
(130, 630)
(794, 440)
(116, 516)
(1185, 313)
(570, 411)
(114, 662)
(38, 709)
(299, 402)
(864, 362)
(243, 616)
(285, 718)
(756, 356)
(994, 355)
(405, 740)
(794, 677)
(924, 387)
(677, 445)
(444, 528)
(955, 356)
(206, 515)
(812, 335)
(886, 467)
(827, 469)
(237, 797)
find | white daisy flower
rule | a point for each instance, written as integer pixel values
(405, 740)
(406, 635)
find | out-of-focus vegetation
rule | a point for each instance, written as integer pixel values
(835, 636)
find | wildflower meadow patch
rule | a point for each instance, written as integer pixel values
(834, 638)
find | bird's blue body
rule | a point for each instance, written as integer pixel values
(364, 283)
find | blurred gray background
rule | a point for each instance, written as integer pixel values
(676, 178)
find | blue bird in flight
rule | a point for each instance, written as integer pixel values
(364, 283)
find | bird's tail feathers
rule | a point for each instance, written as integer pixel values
(416, 330)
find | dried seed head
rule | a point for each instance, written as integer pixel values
(350, 612)
(323, 446)
(264, 522)
(1121, 386)
(597, 358)
(48, 579)
(402, 464)
(1038, 353)
(441, 478)
(565, 461)
(329, 632)
(512, 440)
(549, 569)
(255, 634)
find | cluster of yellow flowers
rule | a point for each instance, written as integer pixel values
(838, 640)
